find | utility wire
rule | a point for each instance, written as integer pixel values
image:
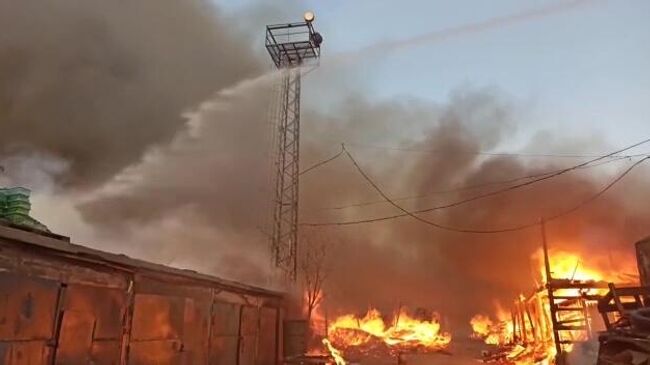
(460, 230)
(600, 193)
(321, 163)
(474, 186)
(479, 153)
(510, 188)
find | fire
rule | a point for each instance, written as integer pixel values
(492, 332)
(573, 266)
(526, 337)
(406, 332)
(481, 325)
(539, 351)
(335, 353)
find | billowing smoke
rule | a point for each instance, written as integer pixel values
(156, 117)
(97, 82)
(208, 188)
(462, 273)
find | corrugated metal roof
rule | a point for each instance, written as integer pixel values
(61, 245)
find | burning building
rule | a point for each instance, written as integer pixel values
(546, 325)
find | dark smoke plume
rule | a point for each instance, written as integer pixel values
(97, 82)
(156, 113)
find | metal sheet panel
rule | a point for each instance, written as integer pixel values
(105, 352)
(223, 350)
(247, 350)
(195, 330)
(25, 353)
(248, 335)
(249, 321)
(106, 305)
(268, 336)
(156, 335)
(30, 263)
(295, 337)
(91, 326)
(167, 352)
(225, 319)
(27, 308)
(76, 338)
(157, 317)
(224, 339)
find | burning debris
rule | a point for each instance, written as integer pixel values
(372, 335)
(549, 322)
(336, 354)
(492, 332)
(406, 332)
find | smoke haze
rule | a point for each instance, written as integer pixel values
(150, 119)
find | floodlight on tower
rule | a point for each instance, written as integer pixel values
(309, 16)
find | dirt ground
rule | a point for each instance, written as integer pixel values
(468, 352)
(460, 352)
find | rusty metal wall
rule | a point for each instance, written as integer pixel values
(248, 335)
(28, 309)
(224, 336)
(268, 339)
(57, 311)
(91, 326)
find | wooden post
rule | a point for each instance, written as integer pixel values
(530, 320)
(522, 321)
(327, 323)
(399, 312)
(585, 313)
(547, 263)
(549, 286)
(513, 316)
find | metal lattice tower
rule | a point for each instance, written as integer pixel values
(291, 46)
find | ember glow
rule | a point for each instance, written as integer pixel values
(405, 332)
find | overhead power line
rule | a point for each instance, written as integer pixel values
(599, 193)
(473, 186)
(454, 229)
(478, 153)
(497, 192)
(323, 162)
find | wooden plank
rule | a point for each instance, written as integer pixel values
(563, 327)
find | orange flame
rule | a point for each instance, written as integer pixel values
(492, 332)
(539, 346)
(573, 266)
(336, 354)
(407, 333)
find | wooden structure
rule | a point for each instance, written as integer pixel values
(625, 314)
(62, 303)
(556, 313)
(616, 306)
